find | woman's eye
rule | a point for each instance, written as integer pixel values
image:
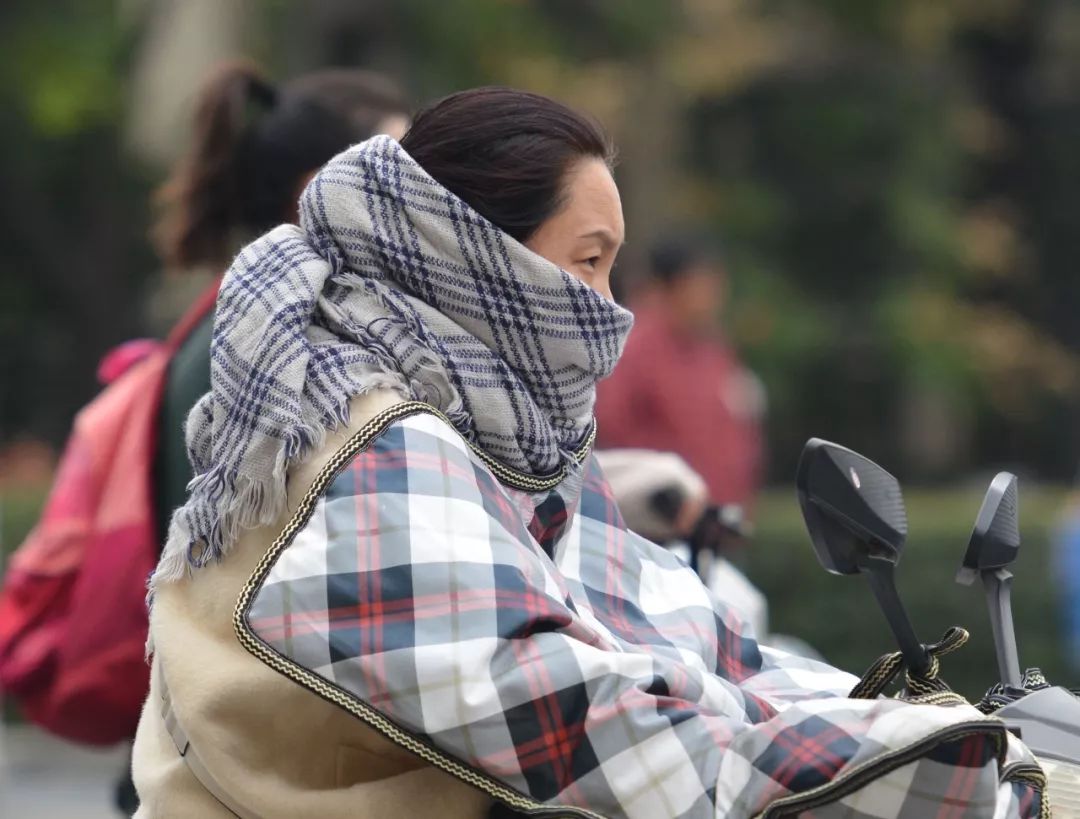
(592, 261)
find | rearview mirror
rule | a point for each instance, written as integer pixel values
(854, 509)
(993, 547)
(995, 538)
(854, 512)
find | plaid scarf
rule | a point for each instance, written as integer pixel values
(391, 281)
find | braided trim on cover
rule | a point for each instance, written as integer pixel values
(1001, 695)
(927, 688)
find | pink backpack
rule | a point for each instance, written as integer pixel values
(73, 618)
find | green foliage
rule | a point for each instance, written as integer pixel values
(73, 249)
(481, 42)
(894, 182)
(838, 615)
(868, 188)
(60, 65)
(19, 511)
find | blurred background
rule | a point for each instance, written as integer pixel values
(894, 186)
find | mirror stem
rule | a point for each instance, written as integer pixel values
(883, 583)
(998, 585)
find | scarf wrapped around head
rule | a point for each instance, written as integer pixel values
(390, 281)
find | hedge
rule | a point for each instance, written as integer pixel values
(839, 617)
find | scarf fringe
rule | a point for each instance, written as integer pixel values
(241, 502)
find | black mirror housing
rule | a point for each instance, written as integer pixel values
(853, 508)
(995, 538)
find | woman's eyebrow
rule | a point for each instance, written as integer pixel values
(604, 235)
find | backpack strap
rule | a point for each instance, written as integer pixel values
(190, 755)
(198, 310)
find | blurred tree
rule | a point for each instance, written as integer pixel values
(894, 180)
(72, 218)
(878, 188)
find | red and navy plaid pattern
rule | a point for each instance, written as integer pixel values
(536, 640)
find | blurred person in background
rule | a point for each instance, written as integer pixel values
(679, 386)
(679, 421)
(1066, 554)
(254, 147)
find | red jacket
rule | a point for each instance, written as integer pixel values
(690, 395)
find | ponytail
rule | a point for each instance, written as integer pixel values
(203, 197)
(251, 149)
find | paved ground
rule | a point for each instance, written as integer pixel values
(44, 778)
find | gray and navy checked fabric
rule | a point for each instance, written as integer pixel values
(536, 640)
(391, 281)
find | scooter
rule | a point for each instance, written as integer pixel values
(854, 512)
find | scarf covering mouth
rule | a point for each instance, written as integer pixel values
(391, 281)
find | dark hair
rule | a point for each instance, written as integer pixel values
(252, 144)
(504, 152)
(671, 258)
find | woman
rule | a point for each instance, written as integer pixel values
(254, 147)
(400, 587)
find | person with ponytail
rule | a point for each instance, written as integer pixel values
(73, 617)
(254, 146)
(400, 586)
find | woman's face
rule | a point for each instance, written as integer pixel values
(585, 235)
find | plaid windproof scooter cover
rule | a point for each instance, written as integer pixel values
(513, 632)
